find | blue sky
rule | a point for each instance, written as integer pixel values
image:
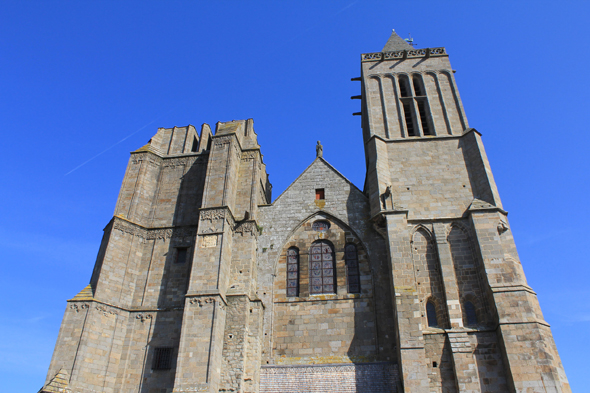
(84, 83)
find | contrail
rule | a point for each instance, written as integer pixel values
(109, 148)
(315, 26)
(348, 6)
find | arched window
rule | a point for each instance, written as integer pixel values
(470, 314)
(404, 89)
(431, 314)
(352, 269)
(321, 270)
(293, 272)
(418, 90)
(415, 105)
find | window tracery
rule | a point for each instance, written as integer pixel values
(321, 269)
(293, 272)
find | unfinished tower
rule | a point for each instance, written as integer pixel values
(413, 284)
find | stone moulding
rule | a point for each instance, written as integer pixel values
(147, 156)
(218, 214)
(222, 140)
(247, 227)
(250, 155)
(155, 233)
(180, 161)
(403, 54)
(201, 301)
(143, 317)
(77, 307)
(101, 306)
(107, 310)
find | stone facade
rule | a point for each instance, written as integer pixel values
(414, 284)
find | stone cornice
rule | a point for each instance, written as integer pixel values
(123, 225)
(404, 54)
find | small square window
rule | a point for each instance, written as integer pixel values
(162, 358)
(181, 255)
(319, 193)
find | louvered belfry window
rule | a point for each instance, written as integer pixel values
(292, 272)
(322, 277)
(352, 269)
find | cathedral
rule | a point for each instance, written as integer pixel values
(204, 283)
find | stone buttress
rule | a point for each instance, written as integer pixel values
(172, 291)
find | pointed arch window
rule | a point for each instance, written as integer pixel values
(352, 269)
(293, 272)
(431, 314)
(470, 314)
(322, 274)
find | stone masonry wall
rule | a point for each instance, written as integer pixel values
(346, 207)
(345, 378)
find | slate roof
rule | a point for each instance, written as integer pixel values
(395, 43)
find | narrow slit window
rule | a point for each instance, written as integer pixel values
(431, 314)
(162, 358)
(195, 145)
(319, 193)
(352, 269)
(470, 313)
(181, 255)
(409, 120)
(403, 88)
(293, 272)
(321, 270)
(423, 117)
(418, 86)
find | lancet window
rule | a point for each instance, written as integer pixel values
(415, 106)
(321, 269)
(293, 272)
(470, 314)
(352, 269)
(431, 314)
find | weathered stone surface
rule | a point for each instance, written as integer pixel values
(201, 284)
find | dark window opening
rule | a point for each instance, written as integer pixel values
(431, 314)
(403, 89)
(195, 145)
(417, 86)
(352, 269)
(423, 118)
(181, 255)
(321, 269)
(409, 120)
(162, 358)
(434, 364)
(319, 193)
(470, 313)
(292, 272)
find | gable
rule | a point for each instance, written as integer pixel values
(342, 200)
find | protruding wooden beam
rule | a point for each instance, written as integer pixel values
(356, 97)
(357, 113)
(358, 78)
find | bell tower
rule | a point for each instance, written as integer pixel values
(466, 318)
